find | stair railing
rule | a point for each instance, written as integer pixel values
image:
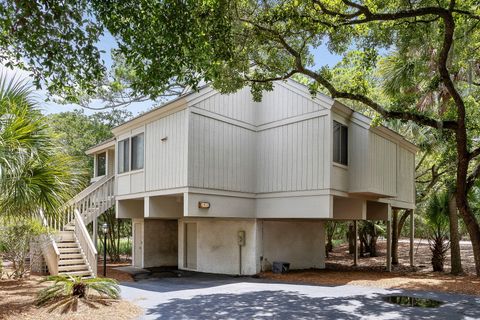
(86, 243)
(90, 202)
(49, 247)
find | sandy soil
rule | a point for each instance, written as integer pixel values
(115, 274)
(371, 271)
(17, 302)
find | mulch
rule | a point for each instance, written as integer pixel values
(371, 272)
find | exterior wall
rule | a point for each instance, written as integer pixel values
(160, 245)
(220, 206)
(287, 101)
(308, 206)
(291, 157)
(166, 161)
(374, 161)
(222, 155)
(301, 243)
(132, 209)
(383, 165)
(406, 176)
(217, 246)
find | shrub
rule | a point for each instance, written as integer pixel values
(438, 228)
(15, 239)
(67, 287)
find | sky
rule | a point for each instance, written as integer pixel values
(321, 57)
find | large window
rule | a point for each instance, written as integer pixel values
(340, 143)
(131, 153)
(124, 156)
(101, 164)
(137, 152)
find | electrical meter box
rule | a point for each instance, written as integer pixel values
(241, 238)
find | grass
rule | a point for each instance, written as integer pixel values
(125, 246)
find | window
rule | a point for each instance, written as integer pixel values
(340, 143)
(131, 153)
(101, 164)
(137, 152)
(124, 156)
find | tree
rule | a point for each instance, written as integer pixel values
(219, 41)
(35, 173)
(55, 41)
(78, 132)
(437, 220)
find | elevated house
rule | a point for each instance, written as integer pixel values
(222, 184)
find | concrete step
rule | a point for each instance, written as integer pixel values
(69, 250)
(71, 268)
(77, 273)
(70, 262)
(64, 256)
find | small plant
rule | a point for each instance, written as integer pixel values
(67, 287)
(438, 227)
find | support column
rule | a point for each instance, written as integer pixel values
(389, 238)
(95, 230)
(412, 235)
(355, 251)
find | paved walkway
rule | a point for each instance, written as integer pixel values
(215, 297)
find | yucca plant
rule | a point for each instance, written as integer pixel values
(67, 287)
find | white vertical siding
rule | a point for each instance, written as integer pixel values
(358, 157)
(239, 105)
(283, 103)
(166, 161)
(221, 155)
(382, 165)
(406, 175)
(291, 157)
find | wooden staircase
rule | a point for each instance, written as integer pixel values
(70, 249)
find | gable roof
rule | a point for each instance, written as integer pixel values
(203, 93)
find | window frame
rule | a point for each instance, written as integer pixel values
(143, 152)
(342, 150)
(121, 157)
(97, 163)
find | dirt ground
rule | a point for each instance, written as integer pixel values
(17, 299)
(115, 274)
(371, 271)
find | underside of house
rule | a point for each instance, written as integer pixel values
(222, 184)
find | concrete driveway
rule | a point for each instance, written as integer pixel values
(217, 297)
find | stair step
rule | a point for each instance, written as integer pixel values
(70, 244)
(77, 273)
(70, 262)
(64, 256)
(64, 236)
(69, 227)
(77, 267)
(69, 250)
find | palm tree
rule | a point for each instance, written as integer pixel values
(438, 226)
(34, 172)
(67, 287)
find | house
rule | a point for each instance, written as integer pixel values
(222, 184)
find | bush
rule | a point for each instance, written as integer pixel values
(67, 287)
(15, 239)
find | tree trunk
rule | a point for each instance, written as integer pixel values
(395, 233)
(351, 239)
(456, 259)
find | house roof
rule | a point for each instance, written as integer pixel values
(101, 146)
(187, 96)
